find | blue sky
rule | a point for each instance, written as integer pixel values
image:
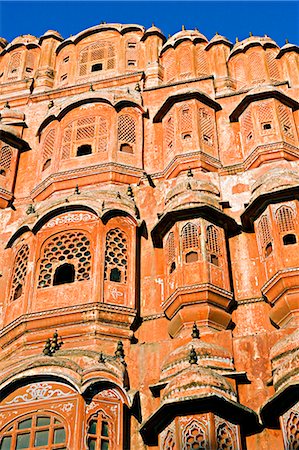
(278, 19)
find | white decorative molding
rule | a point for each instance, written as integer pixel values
(38, 391)
(115, 293)
(70, 218)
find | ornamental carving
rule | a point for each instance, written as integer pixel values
(70, 218)
(38, 391)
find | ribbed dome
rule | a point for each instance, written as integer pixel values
(153, 30)
(184, 35)
(219, 39)
(24, 39)
(9, 113)
(209, 356)
(196, 381)
(52, 33)
(264, 41)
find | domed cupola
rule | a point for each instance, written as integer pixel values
(218, 39)
(196, 399)
(282, 409)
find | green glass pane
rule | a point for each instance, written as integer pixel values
(57, 421)
(91, 444)
(25, 424)
(41, 438)
(92, 427)
(42, 421)
(23, 441)
(104, 445)
(59, 436)
(6, 443)
(105, 429)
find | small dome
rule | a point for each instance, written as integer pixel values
(177, 38)
(53, 33)
(285, 345)
(24, 39)
(275, 179)
(153, 30)
(264, 41)
(286, 48)
(209, 355)
(192, 191)
(219, 39)
(9, 114)
(195, 382)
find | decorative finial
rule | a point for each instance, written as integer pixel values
(50, 104)
(195, 332)
(77, 190)
(189, 187)
(192, 356)
(169, 36)
(7, 105)
(250, 33)
(217, 34)
(287, 41)
(237, 39)
(91, 89)
(119, 352)
(153, 24)
(195, 29)
(137, 87)
(189, 173)
(101, 358)
(52, 345)
(130, 192)
(183, 28)
(30, 209)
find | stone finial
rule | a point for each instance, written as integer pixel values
(287, 41)
(237, 39)
(250, 33)
(183, 28)
(137, 87)
(192, 356)
(77, 190)
(50, 104)
(189, 173)
(52, 345)
(46, 350)
(169, 36)
(130, 192)
(101, 358)
(6, 105)
(153, 24)
(119, 352)
(91, 89)
(195, 332)
(217, 34)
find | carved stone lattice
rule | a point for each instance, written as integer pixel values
(169, 441)
(225, 438)
(72, 247)
(20, 271)
(292, 431)
(194, 437)
(116, 255)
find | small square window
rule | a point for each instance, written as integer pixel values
(131, 62)
(249, 137)
(66, 59)
(97, 67)
(267, 126)
(63, 77)
(131, 44)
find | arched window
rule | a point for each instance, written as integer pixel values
(14, 66)
(194, 436)
(272, 63)
(185, 61)
(226, 439)
(126, 132)
(48, 148)
(5, 159)
(65, 258)
(85, 136)
(285, 119)
(213, 245)
(265, 236)
(240, 70)
(169, 63)
(285, 218)
(247, 128)
(99, 432)
(190, 241)
(35, 431)
(201, 61)
(19, 272)
(116, 256)
(169, 441)
(257, 68)
(186, 123)
(169, 135)
(206, 127)
(95, 57)
(170, 249)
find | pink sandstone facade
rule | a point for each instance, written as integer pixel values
(149, 241)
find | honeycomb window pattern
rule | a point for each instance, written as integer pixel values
(19, 272)
(247, 128)
(185, 60)
(169, 442)
(185, 121)
(100, 53)
(116, 255)
(194, 437)
(48, 147)
(169, 62)
(169, 135)
(126, 130)
(257, 68)
(5, 159)
(71, 247)
(286, 121)
(273, 67)
(285, 219)
(201, 61)
(170, 248)
(14, 66)
(207, 130)
(225, 437)
(292, 429)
